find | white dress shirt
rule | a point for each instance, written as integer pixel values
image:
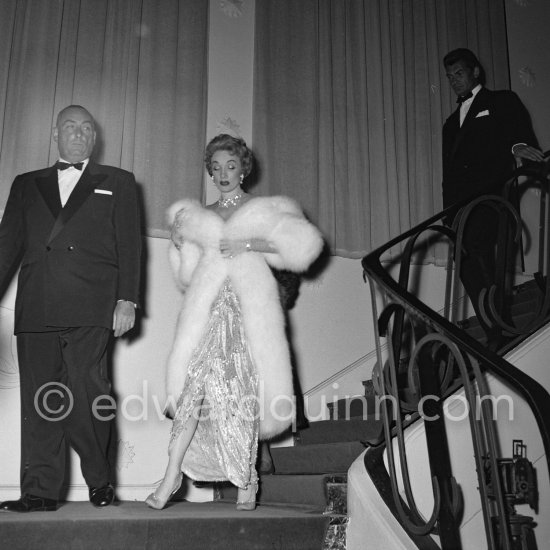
(465, 106)
(67, 180)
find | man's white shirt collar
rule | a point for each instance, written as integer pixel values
(67, 180)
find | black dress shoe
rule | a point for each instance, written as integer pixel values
(102, 496)
(29, 503)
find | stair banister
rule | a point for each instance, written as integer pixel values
(459, 345)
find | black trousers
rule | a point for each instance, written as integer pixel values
(478, 269)
(64, 385)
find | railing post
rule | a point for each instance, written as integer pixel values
(448, 522)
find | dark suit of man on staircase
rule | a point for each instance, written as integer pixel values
(480, 140)
(75, 229)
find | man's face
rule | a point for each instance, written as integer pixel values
(75, 134)
(462, 79)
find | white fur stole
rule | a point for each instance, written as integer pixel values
(200, 270)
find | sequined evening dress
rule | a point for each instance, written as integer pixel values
(222, 388)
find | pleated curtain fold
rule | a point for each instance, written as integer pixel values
(349, 100)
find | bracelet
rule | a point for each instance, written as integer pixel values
(248, 246)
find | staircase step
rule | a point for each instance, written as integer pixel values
(335, 431)
(327, 458)
(526, 307)
(529, 290)
(358, 406)
(521, 320)
(296, 490)
(182, 525)
(475, 331)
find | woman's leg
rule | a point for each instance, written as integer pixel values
(176, 452)
(248, 494)
(246, 497)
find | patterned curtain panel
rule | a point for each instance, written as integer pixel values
(349, 100)
(139, 67)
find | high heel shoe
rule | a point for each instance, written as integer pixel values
(153, 501)
(250, 504)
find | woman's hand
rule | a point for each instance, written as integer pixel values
(231, 248)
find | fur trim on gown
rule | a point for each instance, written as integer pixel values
(200, 271)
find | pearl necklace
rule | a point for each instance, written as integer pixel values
(230, 201)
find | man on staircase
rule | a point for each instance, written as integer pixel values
(482, 140)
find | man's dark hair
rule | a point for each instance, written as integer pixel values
(469, 59)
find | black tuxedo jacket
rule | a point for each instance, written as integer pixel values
(478, 155)
(76, 261)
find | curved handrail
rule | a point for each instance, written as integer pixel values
(443, 329)
(534, 394)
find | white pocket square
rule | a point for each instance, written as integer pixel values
(482, 113)
(103, 191)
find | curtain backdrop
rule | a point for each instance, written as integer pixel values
(138, 66)
(349, 100)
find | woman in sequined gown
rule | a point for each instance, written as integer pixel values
(229, 376)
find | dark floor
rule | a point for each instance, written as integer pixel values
(181, 525)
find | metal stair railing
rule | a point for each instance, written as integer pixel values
(428, 357)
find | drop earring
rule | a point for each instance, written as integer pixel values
(242, 178)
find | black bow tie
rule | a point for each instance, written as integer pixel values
(64, 165)
(462, 98)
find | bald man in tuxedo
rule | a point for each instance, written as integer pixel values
(75, 230)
